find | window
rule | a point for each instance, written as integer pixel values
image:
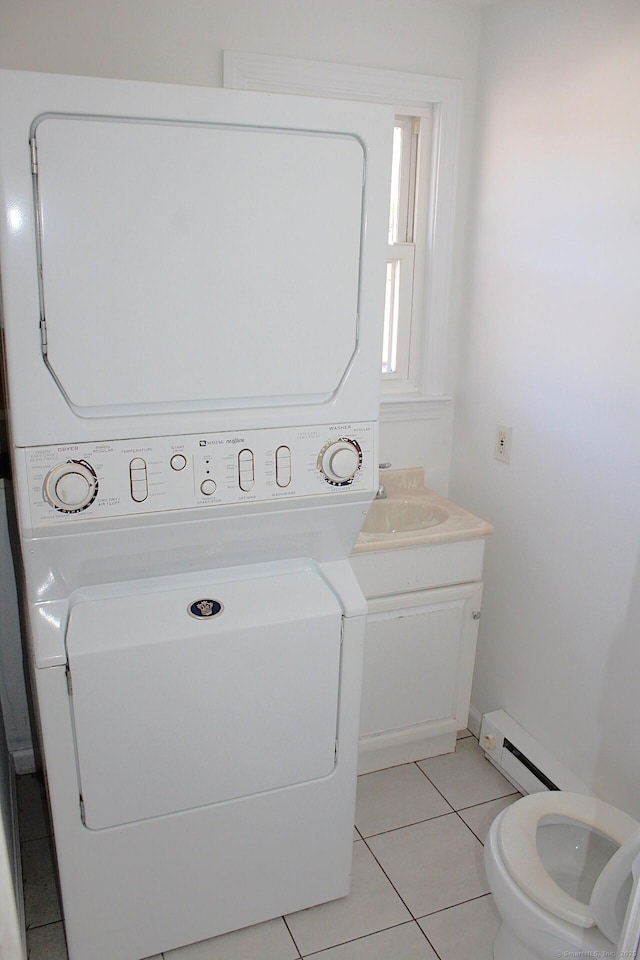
(407, 241)
(419, 270)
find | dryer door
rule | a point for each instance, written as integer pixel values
(197, 265)
(174, 710)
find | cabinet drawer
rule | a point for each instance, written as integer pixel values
(384, 572)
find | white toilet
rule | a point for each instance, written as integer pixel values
(559, 867)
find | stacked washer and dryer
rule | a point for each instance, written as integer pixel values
(193, 289)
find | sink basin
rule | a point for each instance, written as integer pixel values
(413, 515)
(392, 516)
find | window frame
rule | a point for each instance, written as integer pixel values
(423, 396)
(408, 251)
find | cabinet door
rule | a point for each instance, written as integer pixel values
(419, 658)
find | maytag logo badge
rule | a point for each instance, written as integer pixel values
(205, 609)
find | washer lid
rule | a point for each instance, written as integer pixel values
(191, 265)
(200, 695)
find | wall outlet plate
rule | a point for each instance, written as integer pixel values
(502, 450)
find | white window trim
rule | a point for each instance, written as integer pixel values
(412, 253)
(409, 91)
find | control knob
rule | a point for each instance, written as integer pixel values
(71, 487)
(339, 461)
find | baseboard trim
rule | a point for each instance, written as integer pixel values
(391, 748)
(475, 721)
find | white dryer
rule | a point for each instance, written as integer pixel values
(193, 285)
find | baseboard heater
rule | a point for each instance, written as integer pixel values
(523, 760)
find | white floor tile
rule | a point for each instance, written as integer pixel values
(371, 906)
(467, 930)
(480, 817)
(432, 865)
(264, 941)
(405, 942)
(395, 798)
(466, 777)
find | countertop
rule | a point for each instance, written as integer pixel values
(409, 485)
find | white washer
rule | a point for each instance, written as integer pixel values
(193, 284)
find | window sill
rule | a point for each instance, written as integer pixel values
(412, 408)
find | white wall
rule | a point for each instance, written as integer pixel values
(551, 346)
(183, 42)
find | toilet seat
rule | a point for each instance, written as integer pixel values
(612, 888)
(518, 848)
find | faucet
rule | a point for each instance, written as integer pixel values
(382, 493)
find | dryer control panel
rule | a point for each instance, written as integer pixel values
(68, 482)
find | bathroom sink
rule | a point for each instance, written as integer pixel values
(413, 515)
(391, 516)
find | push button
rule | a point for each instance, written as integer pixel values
(208, 487)
(178, 461)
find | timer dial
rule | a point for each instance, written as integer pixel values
(339, 461)
(71, 487)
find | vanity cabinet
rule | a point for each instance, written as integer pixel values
(424, 607)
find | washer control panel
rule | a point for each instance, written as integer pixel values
(136, 477)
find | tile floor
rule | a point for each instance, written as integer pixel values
(419, 891)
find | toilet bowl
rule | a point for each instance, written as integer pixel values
(559, 868)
